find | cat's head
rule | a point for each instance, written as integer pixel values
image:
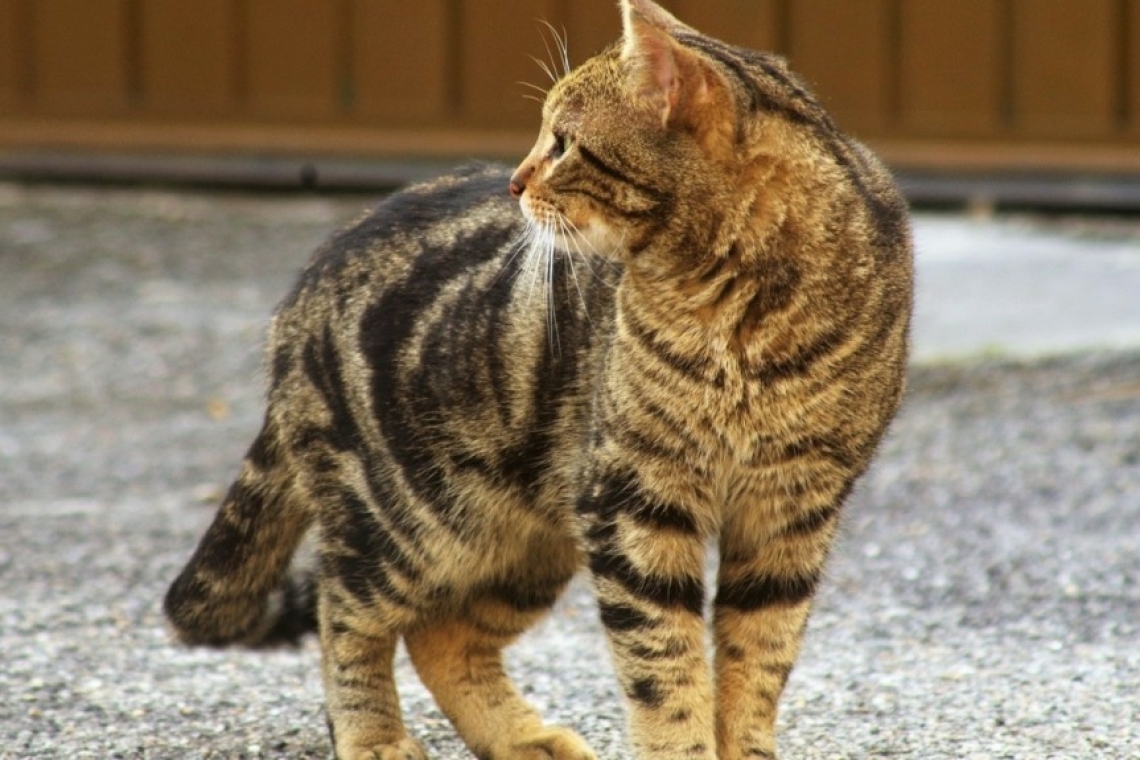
(663, 137)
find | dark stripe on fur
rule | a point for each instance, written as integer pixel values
(225, 547)
(262, 452)
(687, 592)
(796, 102)
(802, 362)
(647, 692)
(622, 617)
(527, 598)
(812, 522)
(694, 368)
(760, 592)
(816, 520)
(605, 167)
(621, 494)
(364, 535)
(670, 651)
(385, 328)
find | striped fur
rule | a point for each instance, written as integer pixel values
(690, 327)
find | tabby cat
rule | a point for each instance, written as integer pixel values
(689, 323)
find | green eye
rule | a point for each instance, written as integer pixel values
(559, 147)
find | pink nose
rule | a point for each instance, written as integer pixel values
(519, 180)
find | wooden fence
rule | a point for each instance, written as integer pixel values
(930, 82)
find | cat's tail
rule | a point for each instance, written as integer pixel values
(241, 587)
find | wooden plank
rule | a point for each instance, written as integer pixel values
(295, 52)
(189, 56)
(844, 48)
(754, 24)
(952, 67)
(81, 56)
(1065, 67)
(13, 54)
(401, 61)
(499, 41)
(590, 28)
(1131, 112)
(186, 138)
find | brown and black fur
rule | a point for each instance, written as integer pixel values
(701, 336)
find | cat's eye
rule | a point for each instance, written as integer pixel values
(559, 147)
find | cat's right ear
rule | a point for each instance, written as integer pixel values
(672, 81)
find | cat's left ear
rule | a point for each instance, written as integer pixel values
(673, 81)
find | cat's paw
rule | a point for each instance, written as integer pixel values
(405, 749)
(553, 743)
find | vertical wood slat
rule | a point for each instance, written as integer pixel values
(844, 49)
(951, 67)
(401, 61)
(754, 24)
(13, 80)
(590, 28)
(189, 57)
(498, 42)
(81, 56)
(293, 52)
(757, 24)
(1065, 67)
(1132, 62)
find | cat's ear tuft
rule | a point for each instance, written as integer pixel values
(670, 79)
(652, 13)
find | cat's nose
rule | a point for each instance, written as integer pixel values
(519, 180)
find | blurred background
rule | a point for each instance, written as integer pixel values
(996, 94)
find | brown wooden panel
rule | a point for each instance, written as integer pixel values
(844, 49)
(751, 23)
(188, 54)
(951, 67)
(1065, 67)
(499, 40)
(81, 55)
(400, 60)
(12, 55)
(590, 27)
(295, 59)
(1132, 107)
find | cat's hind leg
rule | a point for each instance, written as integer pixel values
(460, 660)
(357, 648)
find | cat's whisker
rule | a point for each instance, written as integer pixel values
(545, 68)
(561, 40)
(551, 302)
(541, 97)
(535, 260)
(565, 226)
(521, 244)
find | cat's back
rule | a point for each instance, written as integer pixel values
(426, 233)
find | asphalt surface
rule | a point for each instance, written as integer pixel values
(984, 601)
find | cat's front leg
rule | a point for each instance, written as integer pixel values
(646, 559)
(769, 571)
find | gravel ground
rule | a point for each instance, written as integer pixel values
(984, 601)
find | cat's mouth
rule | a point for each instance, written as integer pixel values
(552, 230)
(555, 231)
